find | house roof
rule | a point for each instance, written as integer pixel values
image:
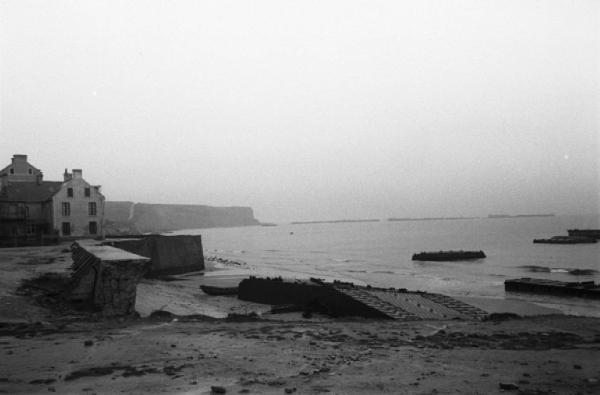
(24, 160)
(29, 191)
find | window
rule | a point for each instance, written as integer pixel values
(12, 171)
(87, 192)
(93, 228)
(66, 229)
(70, 192)
(92, 208)
(30, 171)
(66, 209)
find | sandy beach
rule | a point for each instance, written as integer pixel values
(47, 348)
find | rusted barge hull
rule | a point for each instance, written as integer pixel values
(585, 289)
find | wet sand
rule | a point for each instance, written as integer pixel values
(45, 350)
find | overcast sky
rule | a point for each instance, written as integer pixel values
(311, 109)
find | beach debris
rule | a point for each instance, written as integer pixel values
(497, 317)
(290, 390)
(42, 381)
(88, 343)
(217, 389)
(508, 386)
(162, 315)
(224, 261)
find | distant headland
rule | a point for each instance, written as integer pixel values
(123, 218)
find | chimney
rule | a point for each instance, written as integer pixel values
(17, 158)
(77, 173)
(67, 176)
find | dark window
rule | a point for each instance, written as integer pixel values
(70, 192)
(66, 228)
(87, 192)
(93, 228)
(12, 171)
(30, 171)
(66, 209)
(92, 208)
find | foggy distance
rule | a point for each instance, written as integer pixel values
(311, 110)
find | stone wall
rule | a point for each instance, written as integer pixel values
(168, 254)
(106, 278)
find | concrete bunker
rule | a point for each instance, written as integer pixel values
(105, 277)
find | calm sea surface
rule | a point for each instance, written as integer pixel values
(379, 253)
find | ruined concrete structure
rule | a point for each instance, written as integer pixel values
(168, 254)
(32, 210)
(105, 277)
(309, 294)
(345, 299)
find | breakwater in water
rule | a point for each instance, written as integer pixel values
(379, 253)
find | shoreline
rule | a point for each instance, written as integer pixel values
(50, 351)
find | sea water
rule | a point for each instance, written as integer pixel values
(379, 254)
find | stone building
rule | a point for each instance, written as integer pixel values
(32, 209)
(78, 207)
(19, 171)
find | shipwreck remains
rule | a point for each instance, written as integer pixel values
(168, 254)
(346, 299)
(592, 233)
(566, 240)
(105, 278)
(586, 289)
(448, 256)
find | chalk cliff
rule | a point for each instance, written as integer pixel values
(135, 218)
